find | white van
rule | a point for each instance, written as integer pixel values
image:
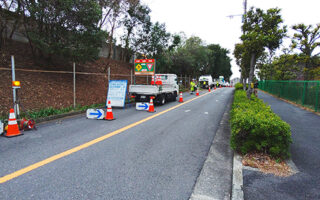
(206, 81)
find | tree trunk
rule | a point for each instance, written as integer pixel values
(251, 74)
(110, 42)
(244, 82)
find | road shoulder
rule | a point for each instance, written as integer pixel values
(215, 179)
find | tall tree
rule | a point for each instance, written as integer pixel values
(261, 30)
(153, 40)
(306, 40)
(136, 16)
(243, 61)
(64, 28)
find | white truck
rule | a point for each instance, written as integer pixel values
(164, 89)
(206, 81)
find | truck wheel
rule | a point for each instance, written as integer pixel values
(170, 97)
(162, 99)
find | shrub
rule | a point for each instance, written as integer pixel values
(238, 86)
(256, 128)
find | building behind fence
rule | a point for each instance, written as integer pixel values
(306, 93)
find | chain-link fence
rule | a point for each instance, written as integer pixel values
(306, 93)
(59, 89)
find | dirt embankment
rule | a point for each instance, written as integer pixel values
(44, 89)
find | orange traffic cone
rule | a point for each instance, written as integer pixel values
(180, 99)
(13, 128)
(209, 89)
(197, 94)
(220, 86)
(151, 106)
(215, 88)
(109, 115)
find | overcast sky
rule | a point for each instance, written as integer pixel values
(208, 19)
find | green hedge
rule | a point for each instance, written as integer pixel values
(238, 86)
(256, 128)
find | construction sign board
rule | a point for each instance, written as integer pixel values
(142, 106)
(144, 66)
(95, 114)
(117, 93)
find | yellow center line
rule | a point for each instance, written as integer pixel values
(87, 144)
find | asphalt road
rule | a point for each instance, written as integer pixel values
(159, 158)
(305, 151)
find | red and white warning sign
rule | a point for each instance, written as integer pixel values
(149, 65)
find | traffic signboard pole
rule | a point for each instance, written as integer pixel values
(74, 84)
(14, 89)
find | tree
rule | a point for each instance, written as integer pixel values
(243, 61)
(219, 62)
(136, 16)
(261, 30)
(307, 40)
(64, 28)
(153, 40)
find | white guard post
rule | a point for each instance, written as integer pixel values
(1, 127)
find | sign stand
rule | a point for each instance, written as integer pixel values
(117, 91)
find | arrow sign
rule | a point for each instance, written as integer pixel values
(145, 106)
(95, 114)
(142, 106)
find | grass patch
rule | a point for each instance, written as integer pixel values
(50, 111)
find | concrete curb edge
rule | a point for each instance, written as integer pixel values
(237, 178)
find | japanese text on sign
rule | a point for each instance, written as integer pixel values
(144, 66)
(117, 92)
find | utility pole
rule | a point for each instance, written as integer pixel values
(243, 21)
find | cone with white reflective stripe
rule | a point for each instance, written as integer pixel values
(151, 106)
(109, 115)
(197, 94)
(13, 128)
(181, 98)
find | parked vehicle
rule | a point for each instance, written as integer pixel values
(164, 89)
(206, 81)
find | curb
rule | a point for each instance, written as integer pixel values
(237, 178)
(215, 179)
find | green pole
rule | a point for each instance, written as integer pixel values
(304, 92)
(317, 97)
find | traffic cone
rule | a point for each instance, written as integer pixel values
(220, 86)
(151, 106)
(215, 88)
(13, 128)
(209, 89)
(158, 81)
(197, 94)
(181, 99)
(109, 115)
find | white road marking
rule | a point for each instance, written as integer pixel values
(206, 113)
(187, 110)
(217, 100)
